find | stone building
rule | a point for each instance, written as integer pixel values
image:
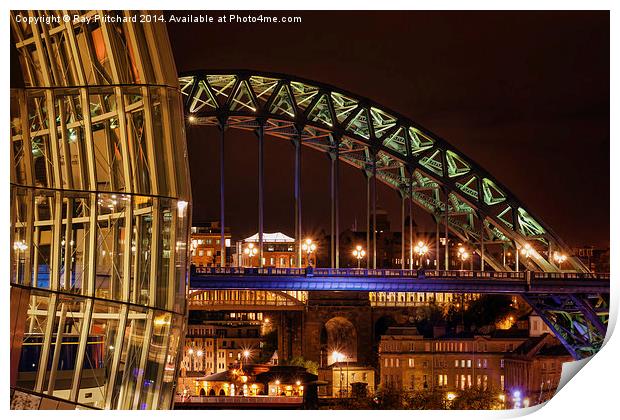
(450, 362)
(215, 346)
(205, 245)
(534, 368)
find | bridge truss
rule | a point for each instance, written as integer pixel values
(425, 170)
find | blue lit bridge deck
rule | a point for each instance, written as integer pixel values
(394, 280)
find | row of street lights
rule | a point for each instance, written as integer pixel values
(420, 249)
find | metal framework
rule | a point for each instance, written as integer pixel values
(100, 210)
(386, 146)
(423, 168)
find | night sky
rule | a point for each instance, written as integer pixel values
(523, 94)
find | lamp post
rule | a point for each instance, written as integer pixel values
(463, 255)
(359, 253)
(421, 249)
(339, 357)
(308, 247)
(559, 258)
(250, 251)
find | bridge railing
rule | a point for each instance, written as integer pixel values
(392, 272)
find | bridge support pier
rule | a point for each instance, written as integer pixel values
(446, 230)
(402, 235)
(222, 184)
(298, 236)
(411, 224)
(335, 228)
(290, 334)
(368, 211)
(261, 190)
(348, 309)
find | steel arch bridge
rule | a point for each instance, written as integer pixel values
(422, 167)
(387, 146)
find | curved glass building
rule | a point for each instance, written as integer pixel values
(100, 209)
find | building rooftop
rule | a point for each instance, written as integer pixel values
(544, 345)
(271, 237)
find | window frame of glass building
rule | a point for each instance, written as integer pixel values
(100, 212)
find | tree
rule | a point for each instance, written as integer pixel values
(475, 399)
(487, 310)
(389, 398)
(426, 400)
(311, 367)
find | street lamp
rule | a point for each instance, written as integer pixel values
(250, 251)
(559, 258)
(309, 247)
(246, 355)
(339, 357)
(463, 255)
(421, 249)
(359, 253)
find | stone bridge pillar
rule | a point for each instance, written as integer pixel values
(342, 320)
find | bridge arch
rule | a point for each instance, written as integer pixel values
(386, 146)
(339, 337)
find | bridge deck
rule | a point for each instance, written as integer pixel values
(389, 280)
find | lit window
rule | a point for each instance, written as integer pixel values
(411, 363)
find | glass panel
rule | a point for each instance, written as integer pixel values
(143, 223)
(99, 354)
(42, 241)
(156, 361)
(68, 325)
(35, 316)
(162, 160)
(111, 233)
(136, 134)
(22, 206)
(181, 236)
(129, 367)
(167, 380)
(165, 291)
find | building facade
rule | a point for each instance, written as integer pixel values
(205, 245)
(448, 363)
(534, 369)
(100, 206)
(341, 377)
(215, 346)
(279, 251)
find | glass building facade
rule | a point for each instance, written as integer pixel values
(100, 211)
